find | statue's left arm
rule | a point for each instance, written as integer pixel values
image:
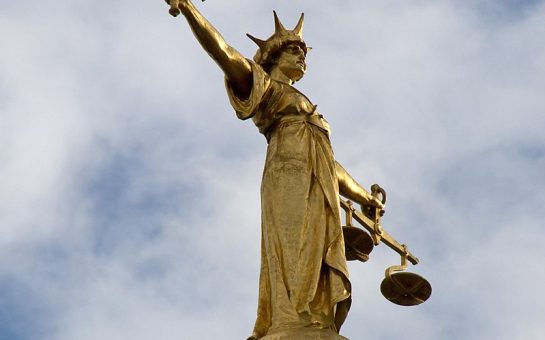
(349, 188)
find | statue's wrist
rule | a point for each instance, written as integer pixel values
(185, 6)
(364, 199)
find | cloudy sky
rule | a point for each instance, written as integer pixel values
(129, 190)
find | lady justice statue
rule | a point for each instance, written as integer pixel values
(304, 290)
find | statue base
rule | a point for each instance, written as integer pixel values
(305, 334)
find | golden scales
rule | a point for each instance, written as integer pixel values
(399, 286)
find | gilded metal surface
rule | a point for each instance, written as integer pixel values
(404, 288)
(307, 333)
(174, 10)
(357, 243)
(400, 287)
(303, 281)
(371, 222)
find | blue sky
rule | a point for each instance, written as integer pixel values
(129, 201)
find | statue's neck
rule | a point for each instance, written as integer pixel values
(279, 76)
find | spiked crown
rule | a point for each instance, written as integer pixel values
(280, 38)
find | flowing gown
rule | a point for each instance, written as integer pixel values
(304, 278)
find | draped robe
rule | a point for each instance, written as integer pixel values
(304, 278)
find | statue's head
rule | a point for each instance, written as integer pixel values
(284, 49)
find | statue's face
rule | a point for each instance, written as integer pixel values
(291, 62)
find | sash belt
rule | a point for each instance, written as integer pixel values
(313, 119)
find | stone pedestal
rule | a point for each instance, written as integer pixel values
(305, 334)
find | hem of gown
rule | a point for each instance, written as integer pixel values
(342, 301)
(303, 333)
(340, 271)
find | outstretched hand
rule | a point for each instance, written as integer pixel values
(376, 199)
(372, 207)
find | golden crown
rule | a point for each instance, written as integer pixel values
(280, 38)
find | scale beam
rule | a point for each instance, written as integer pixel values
(378, 233)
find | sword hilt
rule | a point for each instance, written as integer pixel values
(173, 10)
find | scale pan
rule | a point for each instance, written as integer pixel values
(405, 289)
(358, 244)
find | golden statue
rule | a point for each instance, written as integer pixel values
(304, 290)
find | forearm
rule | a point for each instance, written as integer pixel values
(236, 68)
(349, 188)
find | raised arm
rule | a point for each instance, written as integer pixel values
(350, 189)
(236, 68)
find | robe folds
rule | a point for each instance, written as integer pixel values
(304, 277)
